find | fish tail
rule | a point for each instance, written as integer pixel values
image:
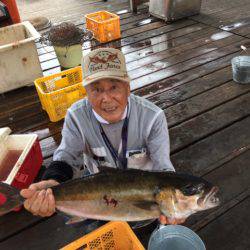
(10, 198)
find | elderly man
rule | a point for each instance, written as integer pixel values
(111, 128)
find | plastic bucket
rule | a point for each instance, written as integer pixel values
(241, 69)
(175, 237)
(69, 56)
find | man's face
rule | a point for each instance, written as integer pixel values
(109, 98)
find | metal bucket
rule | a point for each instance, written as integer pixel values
(241, 69)
(175, 237)
(171, 10)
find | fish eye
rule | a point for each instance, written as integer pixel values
(200, 187)
(190, 190)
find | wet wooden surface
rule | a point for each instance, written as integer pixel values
(185, 69)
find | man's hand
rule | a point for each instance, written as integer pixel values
(164, 220)
(39, 198)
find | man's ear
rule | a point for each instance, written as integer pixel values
(128, 88)
(88, 88)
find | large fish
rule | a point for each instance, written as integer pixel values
(126, 195)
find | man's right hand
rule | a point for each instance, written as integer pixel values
(39, 198)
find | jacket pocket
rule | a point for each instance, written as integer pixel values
(139, 159)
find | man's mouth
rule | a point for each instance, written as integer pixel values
(109, 109)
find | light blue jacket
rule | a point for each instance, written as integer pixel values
(147, 146)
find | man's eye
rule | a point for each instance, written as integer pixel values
(113, 87)
(97, 90)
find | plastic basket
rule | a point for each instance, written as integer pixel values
(59, 91)
(104, 25)
(111, 236)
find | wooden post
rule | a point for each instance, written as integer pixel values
(13, 10)
(133, 5)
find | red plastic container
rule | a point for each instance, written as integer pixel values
(20, 158)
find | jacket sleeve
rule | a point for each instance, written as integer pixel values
(59, 171)
(68, 157)
(159, 145)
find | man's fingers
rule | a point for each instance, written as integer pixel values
(48, 206)
(44, 206)
(181, 221)
(43, 185)
(52, 203)
(34, 186)
(35, 206)
(27, 204)
(39, 185)
(27, 193)
(164, 220)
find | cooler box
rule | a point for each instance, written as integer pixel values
(20, 158)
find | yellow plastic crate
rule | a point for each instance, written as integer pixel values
(104, 25)
(112, 236)
(59, 91)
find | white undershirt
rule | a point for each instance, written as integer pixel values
(102, 120)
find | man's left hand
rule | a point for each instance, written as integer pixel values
(165, 220)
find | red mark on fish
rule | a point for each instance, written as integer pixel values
(110, 201)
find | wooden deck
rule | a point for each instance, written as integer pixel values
(184, 68)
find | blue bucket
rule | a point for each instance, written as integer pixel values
(241, 69)
(175, 237)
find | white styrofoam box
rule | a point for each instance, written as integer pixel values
(19, 62)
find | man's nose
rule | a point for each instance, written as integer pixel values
(106, 97)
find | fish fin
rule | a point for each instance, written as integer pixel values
(75, 219)
(104, 169)
(10, 198)
(164, 199)
(146, 205)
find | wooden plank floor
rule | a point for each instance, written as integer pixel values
(72, 10)
(184, 68)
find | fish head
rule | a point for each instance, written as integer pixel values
(188, 195)
(195, 194)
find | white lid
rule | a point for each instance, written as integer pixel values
(4, 132)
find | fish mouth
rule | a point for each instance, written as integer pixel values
(211, 199)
